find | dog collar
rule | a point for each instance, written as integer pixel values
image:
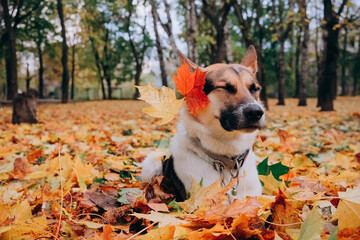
(221, 162)
(233, 163)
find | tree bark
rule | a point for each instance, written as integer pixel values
(105, 65)
(73, 72)
(304, 71)
(10, 58)
(343, 64)
(168, 29)
(228, 47)
(27, 77)
(158, 44)
(356, 71)
(41, 71)
(282, 34)
(218, 19)
(64, 58)
(98, 67)
(191, 28)
(281, 86)
(24, 108)
(297, 59)
(328, 83)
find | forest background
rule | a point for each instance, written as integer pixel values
(100, 49)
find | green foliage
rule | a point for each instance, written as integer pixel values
(276, 169)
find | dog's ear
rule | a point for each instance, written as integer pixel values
(191, 65)
(250, 59)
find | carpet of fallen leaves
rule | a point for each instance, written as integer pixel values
(76, 175)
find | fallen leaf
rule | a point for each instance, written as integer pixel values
(311, 229)
(158, 207)
(348, 210)
(162, 218)
(205, 196)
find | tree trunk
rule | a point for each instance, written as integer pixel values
(10, 57)
(356, 71)
(304, 60)
(27, 77)
(168, 29)
(41, 71)
(24, 108)
(73, 72)
(281, 86)
(64, 58)
(188, 29)
(297, 58)
(137, 81)
(98, 67)
(105, 65)
(343, 65)
(229, 54)
(193, 31)
(158, 44)
(328, 83)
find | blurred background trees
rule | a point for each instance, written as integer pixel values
(100, 49)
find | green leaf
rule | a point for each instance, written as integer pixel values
(128, 194)
(263, 167)
(333, 235)
(41, 159)
(162, 143)
(82, 157)
(100, 180)
(174, 205)
(126, 174)
(127, 132)
(277, 169)
(312, 227)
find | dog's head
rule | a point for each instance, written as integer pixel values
(234, 95)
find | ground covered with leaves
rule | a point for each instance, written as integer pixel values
(76, 175)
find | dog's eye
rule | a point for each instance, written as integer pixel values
(228, 87)
(253, 88)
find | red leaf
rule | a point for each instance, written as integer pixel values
(196, 100)
(191, 85)
(184, 80)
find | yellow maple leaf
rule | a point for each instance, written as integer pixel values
(204, 197)
(271, 185)
(85, 173)
(164, 102)
(348, 210)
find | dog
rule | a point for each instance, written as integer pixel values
(217, 143)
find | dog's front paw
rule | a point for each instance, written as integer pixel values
(152, 165)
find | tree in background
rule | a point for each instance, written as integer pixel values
(38, 29)
(64, 58)
(138, 47)
(356, 71)
(155, 16)
(304, 68)
(328, 81)
(283, 23)
(217, 14)
(10, 58)
(191, 30)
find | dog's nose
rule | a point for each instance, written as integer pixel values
(253, 113)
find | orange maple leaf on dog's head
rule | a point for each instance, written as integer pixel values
(191, 86)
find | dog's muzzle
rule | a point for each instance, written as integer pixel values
(245, 117)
